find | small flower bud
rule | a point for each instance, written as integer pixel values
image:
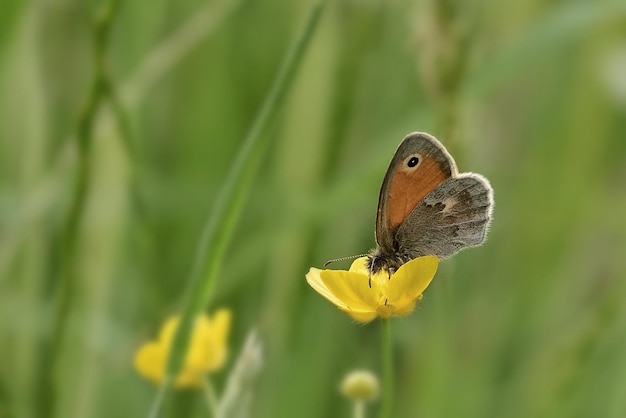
(360, 385)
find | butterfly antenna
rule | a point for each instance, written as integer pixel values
(351, 257)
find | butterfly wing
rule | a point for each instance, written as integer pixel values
(420, 165)
(453, 216)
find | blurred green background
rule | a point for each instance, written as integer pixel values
(531, 94)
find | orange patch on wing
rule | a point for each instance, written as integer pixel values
(409, 187)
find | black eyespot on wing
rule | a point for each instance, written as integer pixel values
(413, 161)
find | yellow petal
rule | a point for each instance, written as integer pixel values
(220, 329)
(352, 289)
(362, 316)
(360, 266)
(314, 280)
(221, 325)
(381, 279)
(410, 281)
(150, 361)
(207, 349)
(349, 291)
(168, 329)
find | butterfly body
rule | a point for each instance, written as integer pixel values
(426, 207)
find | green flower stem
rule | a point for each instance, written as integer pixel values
(222, 219)
(359, 409)
(100, 85)
(387, 401)
(210, 396)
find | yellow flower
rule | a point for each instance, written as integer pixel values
(395, 296)
(206, 352)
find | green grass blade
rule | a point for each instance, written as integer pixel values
(222, 219)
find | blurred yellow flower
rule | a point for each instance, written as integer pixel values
(395, 296)
(206, 352)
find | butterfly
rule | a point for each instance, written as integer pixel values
(426, 207)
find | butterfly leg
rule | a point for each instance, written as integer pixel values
(371, 261)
